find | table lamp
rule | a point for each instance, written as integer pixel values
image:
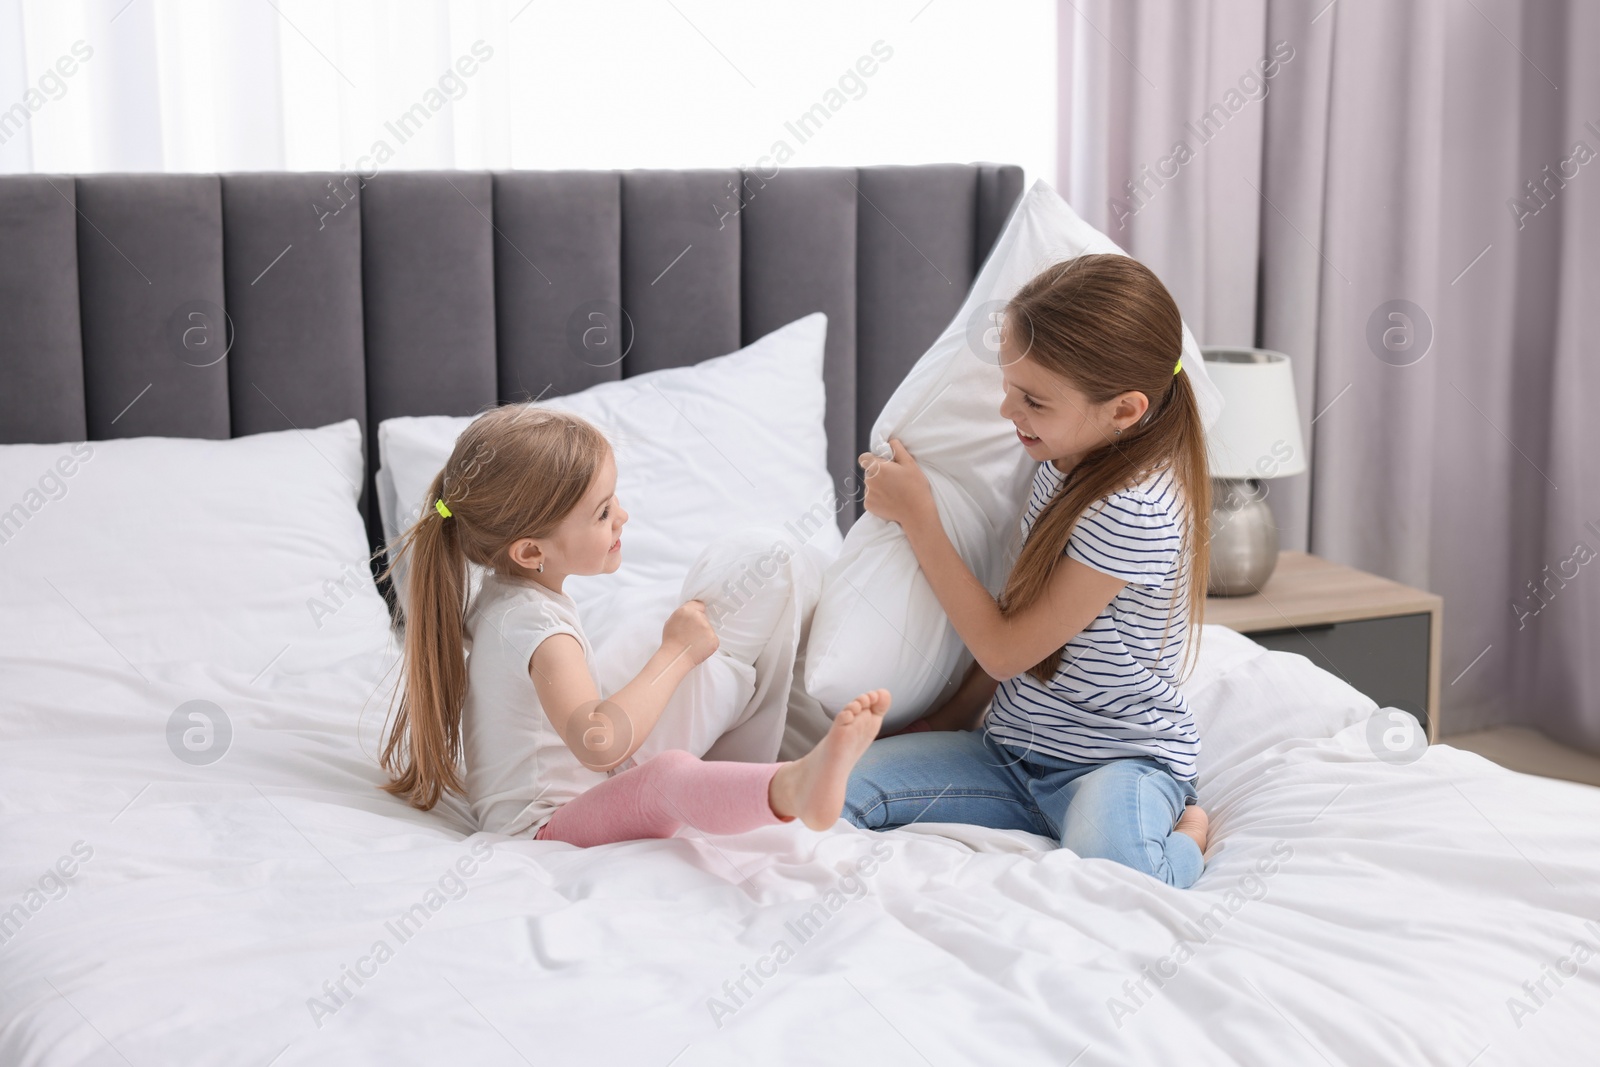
(1256, 438)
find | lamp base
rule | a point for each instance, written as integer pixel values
(1244, 539)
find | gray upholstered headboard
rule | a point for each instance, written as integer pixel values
(411, 293)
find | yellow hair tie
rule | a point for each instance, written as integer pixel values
(444, 512)
(1177, 368)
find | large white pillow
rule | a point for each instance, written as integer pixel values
(732, 442)
(184, 618)
(878, 622)
(156, 560)
(1246, 699)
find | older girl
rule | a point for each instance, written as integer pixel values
(530, 495)
(1088, 738)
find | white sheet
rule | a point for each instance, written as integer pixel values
(218, 900)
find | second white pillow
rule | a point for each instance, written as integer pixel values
(732, 442)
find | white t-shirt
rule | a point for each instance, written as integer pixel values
(1115, 693)
(519, 770)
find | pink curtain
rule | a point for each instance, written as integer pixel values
(1302, 173)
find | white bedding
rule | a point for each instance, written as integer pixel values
(159, 905)
(1407, 906)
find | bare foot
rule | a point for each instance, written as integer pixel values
(812, 787)
(1196, 823)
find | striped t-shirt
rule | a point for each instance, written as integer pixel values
(1115, 692)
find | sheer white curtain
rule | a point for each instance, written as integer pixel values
(199, 85)
(1429, 151)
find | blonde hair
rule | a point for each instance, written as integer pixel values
(1107, 325)
(515, 472)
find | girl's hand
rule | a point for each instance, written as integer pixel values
(897, 490)
(689, 630)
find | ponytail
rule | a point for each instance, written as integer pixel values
(424, 746)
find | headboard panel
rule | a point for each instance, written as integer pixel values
(412, 293)
(427, 265)
(800, 256)
(557, 250)
(669, 223)
(914, 269)
(307, 363)
(150, 246)
(41, 337)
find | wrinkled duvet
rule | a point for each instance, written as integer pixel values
(273, 907)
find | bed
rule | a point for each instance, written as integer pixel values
(196, 865)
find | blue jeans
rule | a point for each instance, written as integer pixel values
(1123, 810)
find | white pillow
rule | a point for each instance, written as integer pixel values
(736, 704)
(878, 622)
(157, 558)
(1246, 699)
(728, 443)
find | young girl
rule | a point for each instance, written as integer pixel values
(530, 494)
(1088, 739)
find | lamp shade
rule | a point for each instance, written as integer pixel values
(1258, 435)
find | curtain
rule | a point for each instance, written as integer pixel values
(366, 85)
(1404, 197)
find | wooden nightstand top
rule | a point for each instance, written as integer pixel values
(1305, 590)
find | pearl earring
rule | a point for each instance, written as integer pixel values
(1118, 431)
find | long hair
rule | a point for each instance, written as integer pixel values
(1107, 325)
(515, 472)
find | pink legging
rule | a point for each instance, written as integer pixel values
(664, 794)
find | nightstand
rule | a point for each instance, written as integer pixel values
(1380, 636)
